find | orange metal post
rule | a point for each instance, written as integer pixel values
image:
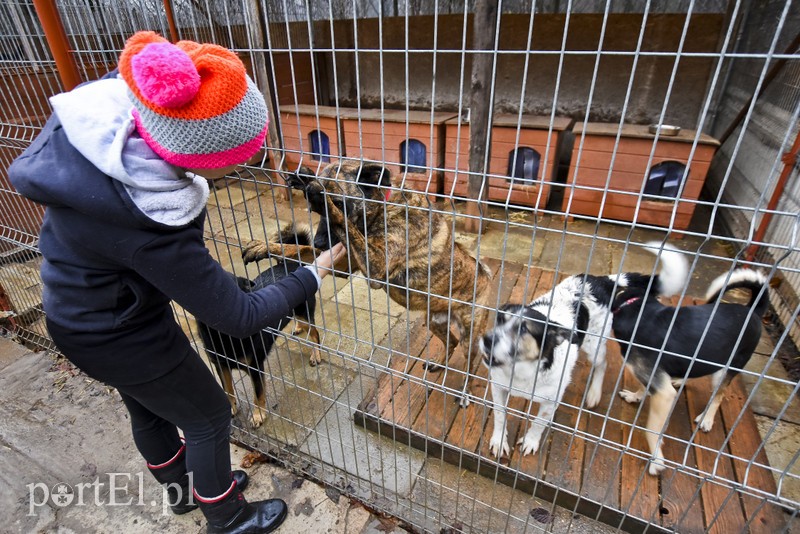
(173, 28)
(57, 40)
(789, 159)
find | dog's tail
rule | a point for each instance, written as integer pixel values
(755, 281)
(293, 235)
(674, 268)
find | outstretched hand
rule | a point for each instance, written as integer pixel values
(328, 259)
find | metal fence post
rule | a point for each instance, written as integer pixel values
(57, 40)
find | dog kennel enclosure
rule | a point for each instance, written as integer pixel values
(542, 132)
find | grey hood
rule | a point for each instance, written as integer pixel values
(98, 123)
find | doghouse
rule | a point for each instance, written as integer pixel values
(411, 143)
(636, 180)
(520, 173)
(310, 135)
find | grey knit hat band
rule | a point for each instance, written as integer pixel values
(208, 136)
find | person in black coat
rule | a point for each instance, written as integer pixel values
(122, 168)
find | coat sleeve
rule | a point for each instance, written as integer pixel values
(180, 266)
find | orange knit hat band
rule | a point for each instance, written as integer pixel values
(223, 78)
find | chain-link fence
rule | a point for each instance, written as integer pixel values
(513, 144)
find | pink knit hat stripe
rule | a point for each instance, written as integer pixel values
(214, 160)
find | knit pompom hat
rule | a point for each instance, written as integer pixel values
(194, 104)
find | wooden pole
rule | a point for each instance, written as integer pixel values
(258, 35)
(57, 41)
(480, 111)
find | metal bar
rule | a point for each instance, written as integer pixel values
(58, 42)
(173, 28)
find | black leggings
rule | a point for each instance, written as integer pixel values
(186, 397)
(190, 398)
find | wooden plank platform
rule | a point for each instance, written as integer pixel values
(591, 461)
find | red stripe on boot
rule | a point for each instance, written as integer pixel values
(212, 500)
(168, 462)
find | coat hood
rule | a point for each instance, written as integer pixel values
(91, 138)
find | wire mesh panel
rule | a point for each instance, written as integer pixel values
(474, 157)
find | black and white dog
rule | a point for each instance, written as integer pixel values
(532, 349)
(669, 345)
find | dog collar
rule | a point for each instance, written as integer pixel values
(626, 303)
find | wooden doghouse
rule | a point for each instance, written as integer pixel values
(660, 181)
(518, 165)
(311, 135)
(410, 143)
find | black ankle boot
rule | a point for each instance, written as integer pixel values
(230, 513)
(172, 474)
(241, 478)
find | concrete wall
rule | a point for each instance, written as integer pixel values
(379, 50)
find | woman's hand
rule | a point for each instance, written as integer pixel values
(327, 259)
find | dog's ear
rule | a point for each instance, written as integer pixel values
(371, 177)
(554, 337)
(506, 311)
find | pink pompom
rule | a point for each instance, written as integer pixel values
(165, 75)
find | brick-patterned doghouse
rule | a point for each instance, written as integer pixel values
(377, 135)
(662, 179)
(310, 134)
(537, 141)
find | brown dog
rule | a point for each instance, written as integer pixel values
(400, 244)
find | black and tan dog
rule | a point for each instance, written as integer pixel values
(227, 353)
(669, 345)
(399, 244)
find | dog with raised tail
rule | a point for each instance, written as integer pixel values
(532, 349)
(668, 345)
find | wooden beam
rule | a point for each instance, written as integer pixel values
(483, 41)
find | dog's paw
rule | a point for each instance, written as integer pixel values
(498, 446)
(705, 423)
(656, 467)
(259, 415)
(254, 251)
(530, 442)
(432, 367)
(316, 357)
(593, 397)
(631, 397)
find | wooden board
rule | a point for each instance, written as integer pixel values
(592, 462)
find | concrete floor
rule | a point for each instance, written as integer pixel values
(66, 428)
